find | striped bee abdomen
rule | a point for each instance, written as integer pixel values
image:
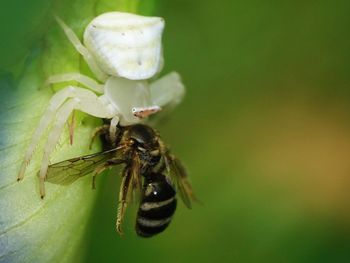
(157, 206)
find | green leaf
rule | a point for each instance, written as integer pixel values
(31, 229)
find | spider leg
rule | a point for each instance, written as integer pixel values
(92, 105)
(56, 101)
(82, 50)
(82, 79)
(113, 129)
(168, 90)
(85, 101)
(62, 116)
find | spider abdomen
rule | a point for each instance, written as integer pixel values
(157, 206)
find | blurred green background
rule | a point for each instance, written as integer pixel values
(264, 131)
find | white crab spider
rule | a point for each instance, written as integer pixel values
(122, 50)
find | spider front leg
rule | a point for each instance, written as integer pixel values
(62, 117)
(61, 106)
(80, 78)
(85, 101)
(100, 75)
(56, 101)
(93, 106)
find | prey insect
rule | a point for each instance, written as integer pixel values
(150, 171)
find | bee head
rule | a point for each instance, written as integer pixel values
(144, 137)
(145, 142)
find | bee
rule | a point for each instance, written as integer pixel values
(149, 171)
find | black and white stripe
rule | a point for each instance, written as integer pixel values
(157, 205)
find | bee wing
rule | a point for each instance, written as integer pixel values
(178, 175)
(68, 171)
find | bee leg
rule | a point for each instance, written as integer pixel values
(125, 187)
(97, 132)
(164, 152)
(97, 171)
(93, 182)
